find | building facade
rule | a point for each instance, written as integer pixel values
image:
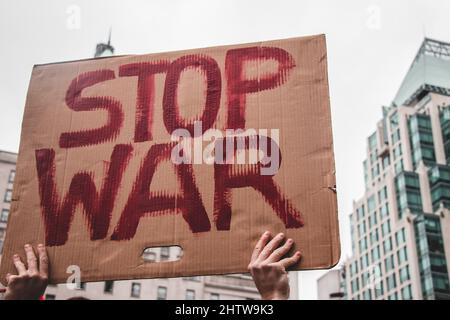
(332, 285)
(7, 174)
(400, 228)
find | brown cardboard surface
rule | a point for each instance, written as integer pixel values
(73, 135)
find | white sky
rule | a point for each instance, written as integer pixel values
(371, 44)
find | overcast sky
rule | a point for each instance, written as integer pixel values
(371, 45)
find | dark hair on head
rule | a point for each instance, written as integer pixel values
(78, 298)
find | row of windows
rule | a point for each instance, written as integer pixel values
(372, 201)
(405, 293)
(8, 194)
(135, 291)
(374, 236)
(389, 265)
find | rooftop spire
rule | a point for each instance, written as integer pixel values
(104, 49)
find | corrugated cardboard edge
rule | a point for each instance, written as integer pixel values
(331, 179)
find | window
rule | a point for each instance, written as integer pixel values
(387, 245)
(161, 294)
(398, 151)
(400, 237)
(364, 261)
(215, 296)
(386, 162)
(360, 213)
(399, 167)
(406, 293)
(386, 228)
(436, 244)
(421, 139)
(432, 225)
(371, 203)
(391, 282)
(402, 255)
(165, 253)
(384, 211)
(382, 194)
(354, 268)
(190, 294)
(8, 196)
(395, 137)
(375, 253)
(355, 285)
(373, 141)
(361, 229)
(404, 274)
(367, 295)
(363, 244)
(12, 176)
(373, 219)
(109, 286)
(4, 215)
(135, 290)
(438, 263)
(379, 289)
(374, 237)
(365, 279)
(441, 283)
(377, 271)
(389, 263)
(375, 171)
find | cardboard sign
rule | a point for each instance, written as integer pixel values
(204, 149)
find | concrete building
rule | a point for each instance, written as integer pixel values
(7, 174)
(400, 228)
(332, 285)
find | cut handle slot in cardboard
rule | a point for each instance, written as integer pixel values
(203, 149)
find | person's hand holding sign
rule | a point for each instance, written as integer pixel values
(30, 283)
(268, 266)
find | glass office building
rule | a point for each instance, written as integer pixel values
(401, 226)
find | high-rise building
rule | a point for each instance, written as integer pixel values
(400, 228)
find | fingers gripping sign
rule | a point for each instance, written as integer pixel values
(31, 280)
(269, 263)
